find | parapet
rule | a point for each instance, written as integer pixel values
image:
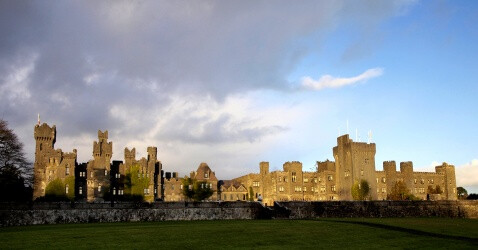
(325, 165)
(390, 166)
(129, 154)
(288, 166)
(45, 132)
(102, 135)
(406, 166)
(443, 167)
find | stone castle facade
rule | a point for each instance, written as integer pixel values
(332, 180)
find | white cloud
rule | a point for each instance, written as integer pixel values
(14, 86)
(467, 174)
(328, 81)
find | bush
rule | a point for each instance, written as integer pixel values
(360, 190)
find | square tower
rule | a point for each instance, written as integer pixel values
(354, 161)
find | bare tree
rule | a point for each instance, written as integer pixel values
(15, 169)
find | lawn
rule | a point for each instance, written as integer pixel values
(276, 234)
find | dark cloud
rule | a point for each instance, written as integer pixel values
(92, 58)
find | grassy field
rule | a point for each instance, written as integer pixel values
(400, 233)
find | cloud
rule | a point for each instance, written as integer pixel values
(328, 81)
(160, 72)
(467, 174)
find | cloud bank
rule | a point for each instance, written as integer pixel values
(466, 174)
(328, 81)
(175, 74)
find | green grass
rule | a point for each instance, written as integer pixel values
(400, 233)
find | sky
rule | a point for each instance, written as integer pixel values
(234, 83)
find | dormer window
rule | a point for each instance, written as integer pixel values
(206, 175)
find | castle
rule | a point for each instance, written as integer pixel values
(332, 180)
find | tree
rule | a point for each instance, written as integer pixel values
(251, 194)
(196, 190)
(15, 170)
(436, 190)
(360, 190)
(472, 196)
(55, 188)
(462, 193)
(135, 183)
(400, 192)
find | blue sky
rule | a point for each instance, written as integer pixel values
(236, 83)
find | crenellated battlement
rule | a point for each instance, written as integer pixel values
(45, 133)
(130, 154)
(389, 166)
(406, 166)
(152, 153)
(325, 165)
(102, 136)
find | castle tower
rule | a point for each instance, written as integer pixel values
(390, 168)
(98, 176)
(450, 180)
(50, 163)
(354, 161)
(295, 175)
(102, 150)
(45, 138)
(152, 154)
(129, 156)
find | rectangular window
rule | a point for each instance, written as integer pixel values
(80, 190)
(280, 179)
(306, 180)
(281, 189)
(255, 184)
(330, 178)
(315, 180)
(99, 188)
(67, 170)
(106, 172)
(384, 190)
(332, 188)
(322, 188)
(347, 173)
(305, 189)
(294, 177)
(206, 175)
(384, 180)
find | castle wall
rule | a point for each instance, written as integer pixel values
(62, 213)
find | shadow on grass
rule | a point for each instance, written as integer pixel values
(473, 241)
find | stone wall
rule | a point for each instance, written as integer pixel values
(60, 213)
(341, 209)
(64, 212)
